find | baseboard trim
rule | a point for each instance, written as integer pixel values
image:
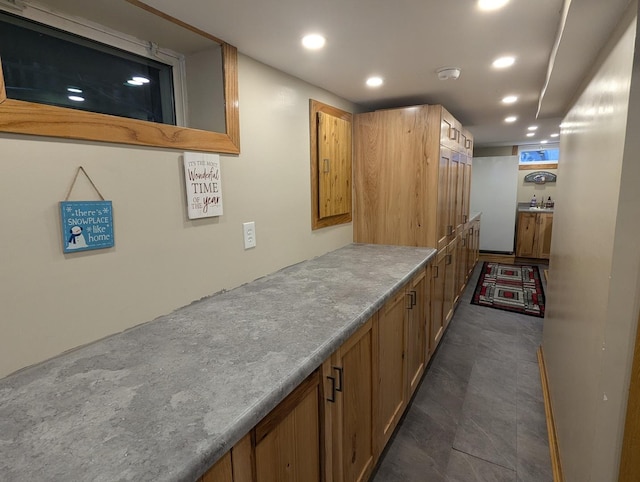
(556, 467)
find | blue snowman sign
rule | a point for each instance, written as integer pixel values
(86, 225)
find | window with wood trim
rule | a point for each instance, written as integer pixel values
(331, 165)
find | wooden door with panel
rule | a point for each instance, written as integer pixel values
(350, 385)
(450, 290)
(287, 440)
(438, 280)
(220, 472)
(391, 366)
(417, 331)
(527, 235)
(445, 228)
(545, 225)
(334, 165)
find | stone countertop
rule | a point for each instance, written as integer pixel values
(165, 400)
(524, 207)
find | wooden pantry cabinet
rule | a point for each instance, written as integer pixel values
(412, 184)
(533, 238)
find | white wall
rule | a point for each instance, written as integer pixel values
(51, 302)
(592, 302)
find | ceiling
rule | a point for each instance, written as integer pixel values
(407, 41)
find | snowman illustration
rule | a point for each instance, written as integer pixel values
(76, 240)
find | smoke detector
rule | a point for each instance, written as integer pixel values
(446, 73)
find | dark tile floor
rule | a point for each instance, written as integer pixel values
(478, 415)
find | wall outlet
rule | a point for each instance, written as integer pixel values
(249, 230)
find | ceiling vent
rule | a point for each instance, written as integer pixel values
(448, 73)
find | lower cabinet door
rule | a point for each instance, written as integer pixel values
(349, 389)
(288, 439)
(392, 368)
(438, 314)
(220, 472)
(416, 331)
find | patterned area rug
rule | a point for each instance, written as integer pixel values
(509, 287)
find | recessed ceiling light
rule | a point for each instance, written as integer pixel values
(510, 99)
(134, 82)
(555, 134)
(313, 41)
(76, 98)
(491, 4)
(374, 81)
(533, 128)
(531, 134)
(504, 62)
(544, 142)
(74, 90)
(511, 118)
(143, 80)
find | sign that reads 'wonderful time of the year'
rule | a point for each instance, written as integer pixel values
(203, 183)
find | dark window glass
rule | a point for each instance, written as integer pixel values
(49, 66)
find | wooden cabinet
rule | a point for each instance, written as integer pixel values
(473, 246)
(438, 281)
(220, 472)
(534, 235)
(545, 227)
(450, 284)
(392, 366)
(412, 184)
(402, 177)
(349, 407)
(418, 329)
(287, 440)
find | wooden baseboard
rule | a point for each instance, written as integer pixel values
(556, 467)
(497, 258)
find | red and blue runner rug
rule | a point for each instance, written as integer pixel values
(516, 288)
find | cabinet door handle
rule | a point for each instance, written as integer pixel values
(448, 259)
(414, 298)
(465, 217)
(332, 398)
(339, 385)
(325, 165)
(410, 295)
(449, 230)
(464, 242)
(437, 273)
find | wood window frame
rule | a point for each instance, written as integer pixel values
(20, 117)
(316, 221)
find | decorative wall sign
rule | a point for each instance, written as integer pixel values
(540, 177)
(203, 183)
(86, 225)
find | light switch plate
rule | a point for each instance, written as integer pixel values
(249, 230)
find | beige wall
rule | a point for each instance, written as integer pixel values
(592, 303)
(52, 302)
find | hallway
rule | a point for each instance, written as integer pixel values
(478, 415)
